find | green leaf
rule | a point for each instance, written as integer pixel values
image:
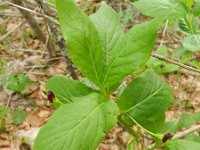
(80, 125)
(65, 89)
(10, 82)
(83, 40)
(3, 114)
(186, 121)
(169, 68)
(182, 145)
(192, 137)
(18, 116)
(131, 145)
(163, 9)
(132, 52)
(16, 83)
(196, 9)
(162, 50)
(183, 26)
(179, 52)
(155, 65)
(192, 42)
(189, 3)
(144, 96)
(170, 127)
(107, 22)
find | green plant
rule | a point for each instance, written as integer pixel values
(3, 114)
(18, 116)
(127, 15)
(105, 54)
(185, 15)
(16, 83)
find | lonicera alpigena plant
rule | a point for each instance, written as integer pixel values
(185, 14)
(105, 55)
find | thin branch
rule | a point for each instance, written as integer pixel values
(28, 50)
(32, 22)
(9, 99)
(31, 11)
(9, 32)
(175, 63)
(59, 39)
(186, 132)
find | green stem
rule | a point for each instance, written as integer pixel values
(156, 136)
(128, 128)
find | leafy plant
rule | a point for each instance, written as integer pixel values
(105, 54)
(18, 116)
(16, 83)
(185, 14)
(3, 114)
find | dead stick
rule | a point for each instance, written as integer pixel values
(175, 63)
(29, 18)
(32, 11)
(60, 41)
(186, 132)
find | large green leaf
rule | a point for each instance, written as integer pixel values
(132, 52)
(83, 40)
(65, 89)
(145, 100)
(182, 145)
(163, 9)
(107, 22)
(192, 42)
(78, 126)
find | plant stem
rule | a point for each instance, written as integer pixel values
(156, 136)
(175, 63)
(129, 129)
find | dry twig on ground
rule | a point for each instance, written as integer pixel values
(32, 22)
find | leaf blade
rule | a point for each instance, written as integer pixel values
(83, 41)
(182, 145)
(107, 22)
(144, 96)
(75, 130)
(65, 89)
(192, 42)
(131, 53)
(163, 9)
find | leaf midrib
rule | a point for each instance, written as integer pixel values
(82, 120)
(146, 99)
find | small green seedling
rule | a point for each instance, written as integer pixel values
(3, 114)
(18, 116)
(16, 83)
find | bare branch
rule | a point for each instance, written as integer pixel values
(32, 11)
(186, 132)
(175, 63)
(29, 18)
(9, 32)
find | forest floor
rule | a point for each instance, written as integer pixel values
(22, 52)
